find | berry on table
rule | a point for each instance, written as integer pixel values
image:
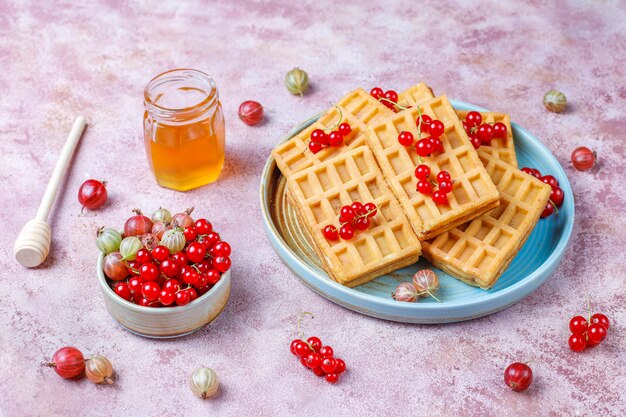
(518, 376)
(596, 333)
(583, 158)
(577, 342)
(578, 325)
(600, 318)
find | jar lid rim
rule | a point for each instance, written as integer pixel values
(175, 74)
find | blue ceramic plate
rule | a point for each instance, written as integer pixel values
(533, 265)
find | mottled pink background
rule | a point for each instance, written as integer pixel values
(60, 60)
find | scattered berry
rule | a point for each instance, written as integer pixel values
(436, 128)
(499, 130)
(518, 376)
(583, 158)
(405, 138)
(422, 172)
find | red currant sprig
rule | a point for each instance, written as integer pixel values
(318, 358)
(388, 98)
(556, 195)
(355, 217)
(425, 184)
(426, 146)
(320, 139)
(482, 133)
(587, 332)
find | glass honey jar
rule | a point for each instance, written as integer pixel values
(184, 130)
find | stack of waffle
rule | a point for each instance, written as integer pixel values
(492, 208)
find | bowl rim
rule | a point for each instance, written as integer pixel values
(224, 280)
(523, 286)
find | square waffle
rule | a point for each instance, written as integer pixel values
(415, 95)
(473, 194)
(318, 193)
(357, 108)
(502, 149)
(479, 252)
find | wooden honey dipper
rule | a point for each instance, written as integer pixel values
(33, 243)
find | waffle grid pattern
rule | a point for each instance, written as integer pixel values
(318, 194)
(503, 149)
(473, 192)
(414, 95)
(479, 251)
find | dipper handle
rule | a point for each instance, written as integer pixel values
(33, 243)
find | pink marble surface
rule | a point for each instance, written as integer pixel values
(59, 60)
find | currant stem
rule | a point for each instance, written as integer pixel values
(299, 329)
(338, 122)
(556, 210)
(419, 125)
(392, 102)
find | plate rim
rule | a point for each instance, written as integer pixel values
(543, 272)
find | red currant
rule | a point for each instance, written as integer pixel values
(499, 130)
(556, 196)
(335, 138)
(123, 290)
(362, 223)
(191, 277)
(443, 176)
(596, 333)
(135, 285)
(437, 144)
(405, 138)
(347, 214)
(170, 268)
(292, 347)
(220, 249)
(426, 119)
(315, 342)
(440, 198)
(485, 133)
(424, 187)
(302, 349)
(331, 233)
(518, 376)
(193, 294)
(149, 272)
(181, 259)
(602, 319)
(340, 366)
(370, 209)
(329, 364)
(210, 240)
(424, 147)
(171, 285)
(133, 267)
(222, 263)
(318, 135)
(190, 234)
(422, 172)
(344, 129)
(161, 253)
(213, 276)
(318, 371)
(445, 186)
(583, 158)
(143, 256)
(315, 147)
(332, 378)
(550, 180)
(391, 95)
(327, 351)
(143, 301)
(578, 325)
(473, 118)
(346, 232)
(182, 298)
(436, 128)
(465, 126)
(195, 251)
(313, 360)
(577, 342)
(547, 210)
(357, 207)
(377, 92)
(150, 291)
(203, 227)
(166, 297)
(475, 141)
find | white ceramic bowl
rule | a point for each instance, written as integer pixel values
(165, 322)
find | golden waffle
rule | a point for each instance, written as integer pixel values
(473, 194)
(478, 252)
(318, 193)
(503, 149)
(357, 108)
(415, 95)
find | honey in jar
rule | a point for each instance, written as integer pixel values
(184, 129)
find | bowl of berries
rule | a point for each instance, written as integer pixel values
(165, 275)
